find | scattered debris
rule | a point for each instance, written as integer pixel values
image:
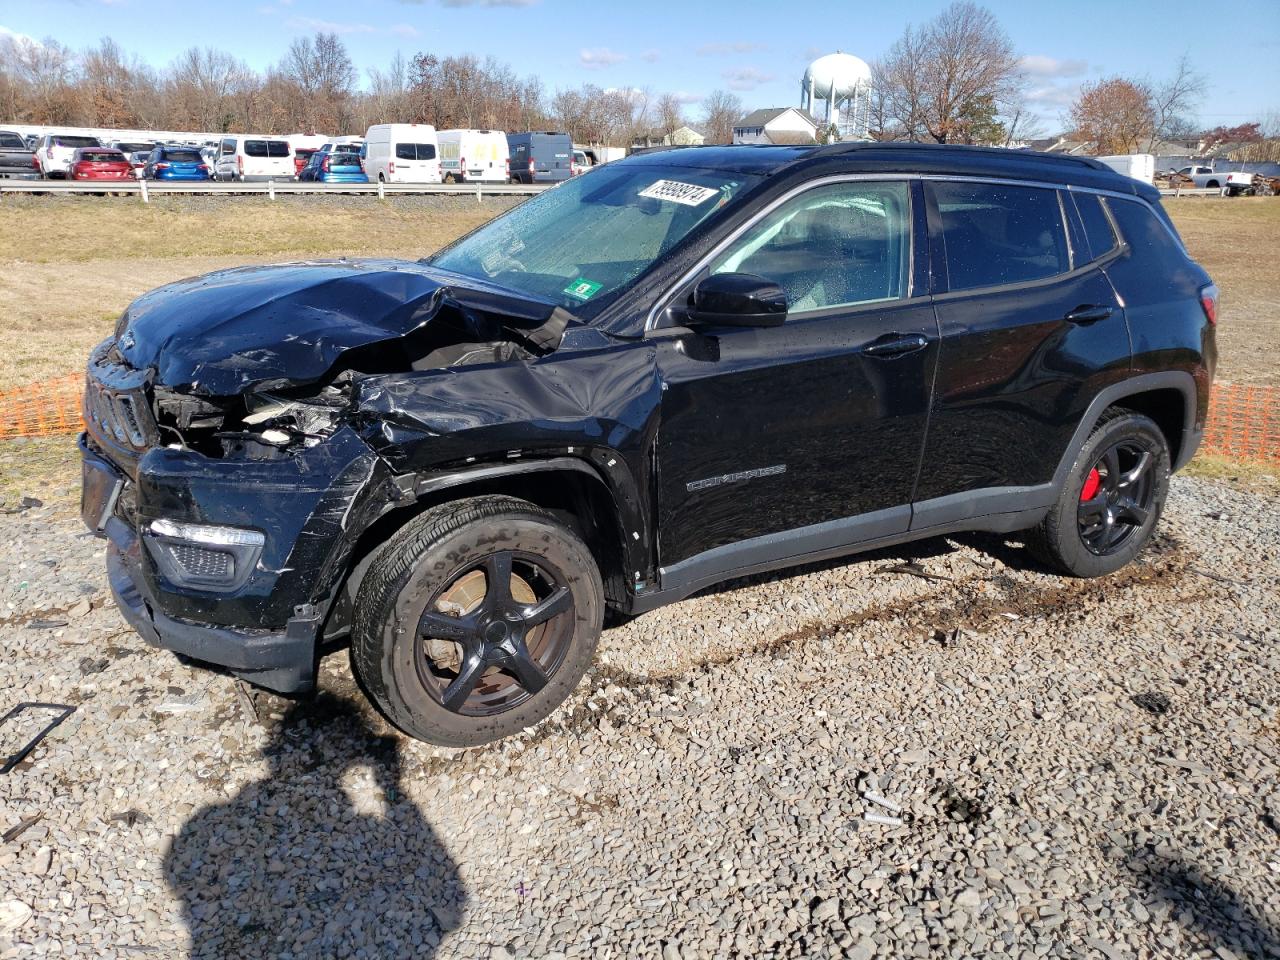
(1215, 576)
(1152, 702)
(89, 665)
(130, 817)
(191, 703)
(246, 700)
(63, 711)
(881, 801)
(914, 569)
(882, 819)
(46, 624)
(21, 827)
(26, 503)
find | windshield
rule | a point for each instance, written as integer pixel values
(589, 237)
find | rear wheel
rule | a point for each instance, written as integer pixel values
(476, 620)
(1111, 501)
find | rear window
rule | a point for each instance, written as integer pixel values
(12, 140)
(61, 141)
(415, 151)
(135, 147)
(997, 234)
(101, 155)
(182, 156)
(303, 152)
(266, 148)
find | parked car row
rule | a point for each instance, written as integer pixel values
(388, 153)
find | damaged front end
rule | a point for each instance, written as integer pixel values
(224, 457)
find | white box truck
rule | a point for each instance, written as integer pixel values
(1140, 166)
(474, 156)
(402, 153)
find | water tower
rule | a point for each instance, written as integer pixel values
(844, 82)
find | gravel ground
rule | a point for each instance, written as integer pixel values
(1083, 769)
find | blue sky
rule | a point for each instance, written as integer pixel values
(758, 50)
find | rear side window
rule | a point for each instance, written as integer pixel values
(1097, 228)
(998, 234)
(266, 148)
(415, 151)
(1143, 230)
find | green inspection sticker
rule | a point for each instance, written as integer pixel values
(582, 289)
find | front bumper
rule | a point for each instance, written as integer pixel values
(283, 660)
(267, 630)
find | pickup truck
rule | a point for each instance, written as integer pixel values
(17, 160)
(1203, 177)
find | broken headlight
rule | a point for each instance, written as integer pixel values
(203, 557)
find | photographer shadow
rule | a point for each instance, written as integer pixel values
(292, 866)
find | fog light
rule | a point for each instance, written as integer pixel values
(207, 557)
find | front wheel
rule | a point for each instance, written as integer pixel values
(476, 620)
(1111, 501)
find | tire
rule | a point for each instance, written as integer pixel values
(1212, 185)
(417, 580)
(1070, 536)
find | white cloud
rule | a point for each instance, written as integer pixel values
(1052, 98)
(329, 26)
(597, 57)
(747, 78)
(16, 37)
(687, 98)
(480, 3)
(1041, 66)
(404, 30)
(737, 46)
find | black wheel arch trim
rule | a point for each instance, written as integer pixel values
(602, 465)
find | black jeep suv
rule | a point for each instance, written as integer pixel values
(679, 368)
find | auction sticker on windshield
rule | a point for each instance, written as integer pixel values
(690, 194)
(582, 289)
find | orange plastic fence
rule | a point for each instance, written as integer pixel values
(1244, 421)
(46, 409)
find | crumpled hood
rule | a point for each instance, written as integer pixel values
(252, 328)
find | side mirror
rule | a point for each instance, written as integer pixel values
(737, 300)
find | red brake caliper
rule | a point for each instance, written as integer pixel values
(1091, 484)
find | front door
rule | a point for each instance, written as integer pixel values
(788, 440)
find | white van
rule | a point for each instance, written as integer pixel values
(476, 156)
(402, 153)
(254, 157)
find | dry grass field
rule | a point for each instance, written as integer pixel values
(68, 266)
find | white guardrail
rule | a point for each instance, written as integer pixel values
(270, 188)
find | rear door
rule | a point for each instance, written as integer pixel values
(1031, 331)
(811, 430)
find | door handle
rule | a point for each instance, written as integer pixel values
(895, 345)
(1088, 314)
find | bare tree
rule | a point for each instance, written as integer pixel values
(943, 79)
(1172, 101)
(1114, 114)
(720, 111)
(670, 113)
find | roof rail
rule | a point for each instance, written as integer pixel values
(1035, 156)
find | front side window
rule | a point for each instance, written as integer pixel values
(998, 234)
(833, 246)
(584, 241)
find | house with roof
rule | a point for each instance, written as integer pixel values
(679, 137)
(776, 125)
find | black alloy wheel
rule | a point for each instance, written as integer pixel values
(1110, 501)
(493, 635)
(1116, 498)
(476, 620)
